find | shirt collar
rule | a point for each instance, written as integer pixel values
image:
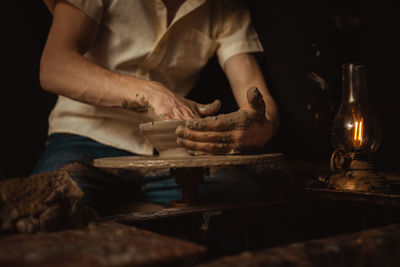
(187, 7)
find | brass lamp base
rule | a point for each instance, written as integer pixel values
(355, 174)
(359, 181)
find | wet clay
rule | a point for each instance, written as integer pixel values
(180, 152)
(226, 133)
(239, 120)
(162, 136)
(139, 105)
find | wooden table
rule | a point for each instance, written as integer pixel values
(104, 244)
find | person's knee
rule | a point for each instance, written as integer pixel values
(102, 188)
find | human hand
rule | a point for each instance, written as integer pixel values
(164, 104)
(233, 133)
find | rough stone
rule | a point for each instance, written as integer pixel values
(43, 202)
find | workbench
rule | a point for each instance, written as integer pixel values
(298, 225)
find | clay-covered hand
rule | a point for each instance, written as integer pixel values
(164, 104)
(237, 132)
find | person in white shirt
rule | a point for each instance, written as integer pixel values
(118, 63)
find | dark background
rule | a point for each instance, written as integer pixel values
(299, 38)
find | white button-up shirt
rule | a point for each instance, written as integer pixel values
(134, 39)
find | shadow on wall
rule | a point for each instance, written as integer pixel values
(305, 43)
(24, 105)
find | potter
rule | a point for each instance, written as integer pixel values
(113, 71)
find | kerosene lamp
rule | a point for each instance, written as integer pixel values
(356, 136)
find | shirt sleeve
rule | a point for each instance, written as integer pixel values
(92, 8)
(236, 35)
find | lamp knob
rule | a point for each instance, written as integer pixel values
(338, 161)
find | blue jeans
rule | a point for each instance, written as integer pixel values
(61, 149)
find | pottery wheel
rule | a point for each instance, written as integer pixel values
(188, 171)
(186, 162)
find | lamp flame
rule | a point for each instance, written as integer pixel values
(358, 134)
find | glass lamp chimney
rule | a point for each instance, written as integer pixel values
(355, 128)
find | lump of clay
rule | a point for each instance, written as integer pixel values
(162, 136)
(42, 202)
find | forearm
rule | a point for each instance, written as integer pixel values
(66, 72)
(243, 72)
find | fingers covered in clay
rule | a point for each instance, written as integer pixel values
(255, 99)
(223, 122)
(239, 131)
(203, 109)
(183, 113)
(209, 109)
(214, 148)
(205, 136)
